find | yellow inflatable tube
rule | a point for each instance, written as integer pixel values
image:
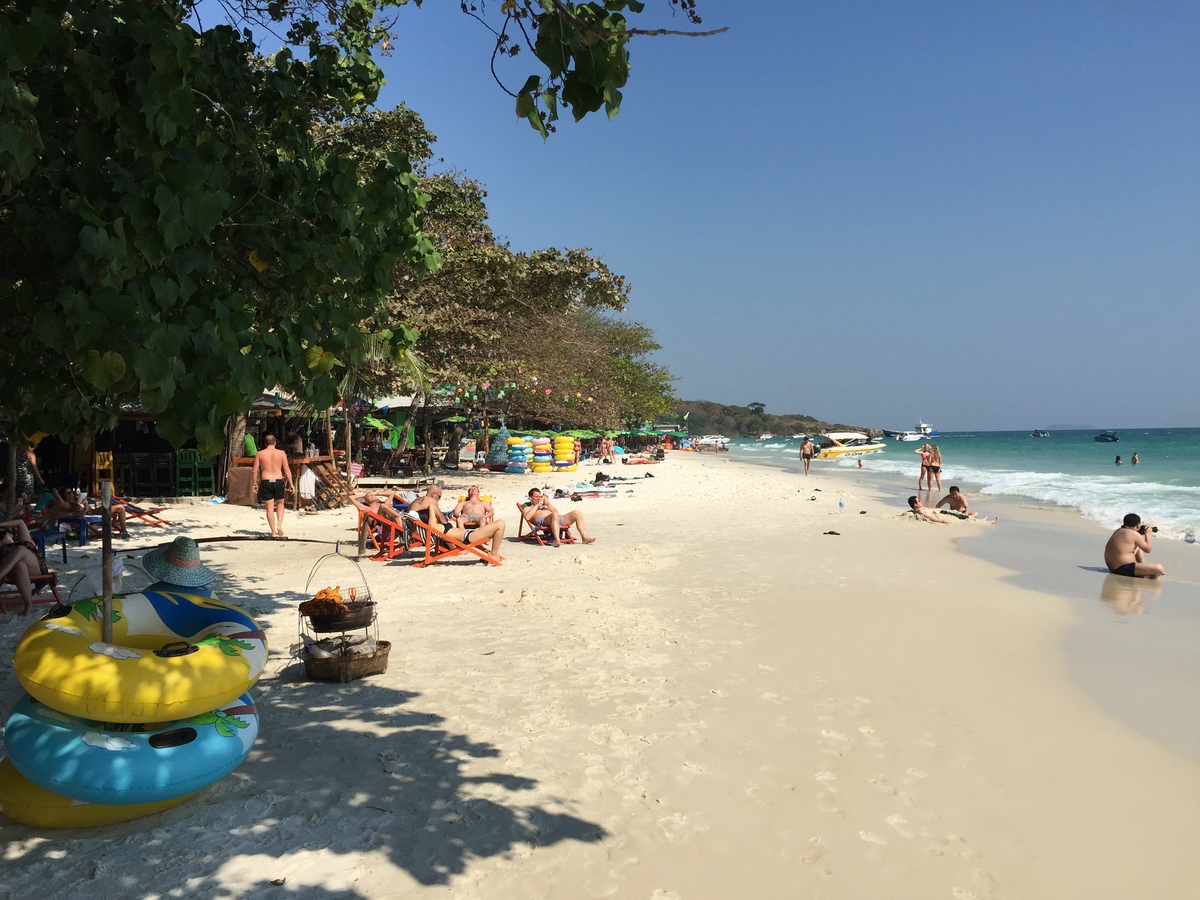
(24, 802)
(173, 656)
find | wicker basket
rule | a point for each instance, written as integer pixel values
(348, 667)
(358, 614)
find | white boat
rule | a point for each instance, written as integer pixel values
(1039, 432)
(839, 444)
(920, 433)
(764, 437)
(710, 442)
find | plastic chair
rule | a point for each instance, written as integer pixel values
(206, 480)
(102, 469)
(185, 472)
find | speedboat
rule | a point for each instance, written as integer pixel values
(1106, 437)
(764, 437)
(1039, 432)
(839, 444)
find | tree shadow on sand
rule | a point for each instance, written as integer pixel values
(342, 777)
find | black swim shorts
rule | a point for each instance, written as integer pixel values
(1126, 570)
(272, 489)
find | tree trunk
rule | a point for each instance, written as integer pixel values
(235, 446)
(427, 436)
(452, 450)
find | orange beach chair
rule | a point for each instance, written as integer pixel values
(540, 535)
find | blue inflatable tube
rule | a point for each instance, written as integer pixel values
(128, 763)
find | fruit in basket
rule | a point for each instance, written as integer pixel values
(327, 602)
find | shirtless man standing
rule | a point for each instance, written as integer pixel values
(807, 451)
(1126, 550)
(472, 512)
(426, 509)
(539, 513)
(958, 504)
(271, 473)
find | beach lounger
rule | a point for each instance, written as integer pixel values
(441, 546)
(149, 516)
(540, 535)
(389, 538)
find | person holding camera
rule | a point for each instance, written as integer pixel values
(1126, 550)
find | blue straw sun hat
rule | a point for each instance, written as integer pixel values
(178, 563)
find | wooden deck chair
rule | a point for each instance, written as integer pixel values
(441, 546)
(389, 538)
(148, 516)
(540, 535)
(46, 581)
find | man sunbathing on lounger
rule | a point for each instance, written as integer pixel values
(472, 512)
(426, 509)
(379, 501)
(539, 513)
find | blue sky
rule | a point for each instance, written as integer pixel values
(986, 215)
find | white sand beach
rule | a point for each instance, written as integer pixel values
(717, 699)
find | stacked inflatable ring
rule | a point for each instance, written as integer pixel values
(564, 454)
(111, 732)
(543, 456)
(519, 452)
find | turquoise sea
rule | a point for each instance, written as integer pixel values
(1066, 469)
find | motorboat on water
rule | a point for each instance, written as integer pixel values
(1039, 432)
(920, 433)
(710, 442)
(764, 437)
(1106, 437)
(839, 444)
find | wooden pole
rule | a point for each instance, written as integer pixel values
(105, 556)
(346, 425)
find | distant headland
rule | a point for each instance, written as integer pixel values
(751, 420)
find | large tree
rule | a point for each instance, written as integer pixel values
(176, 227)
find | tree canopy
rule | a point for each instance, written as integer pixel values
(180, 222)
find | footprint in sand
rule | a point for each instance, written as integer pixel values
(827, 779)
(882, 784)
(899, 825)
(928, 741)
(619, 871)
(872, 838)
(674, 828)
(914, 775)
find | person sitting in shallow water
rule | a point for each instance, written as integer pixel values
(1125, 552)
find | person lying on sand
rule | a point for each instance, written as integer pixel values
(929, 515)
(959, 506)
(539, 513)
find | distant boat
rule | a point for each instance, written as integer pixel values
(1106, 437)
(764, 437)
(920, 433)
(1041, 432)
(837, 444)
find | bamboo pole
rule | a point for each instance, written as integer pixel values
(105, 556)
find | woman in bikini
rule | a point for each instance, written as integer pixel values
(19, 559)
(924, 454)
(935, 466)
